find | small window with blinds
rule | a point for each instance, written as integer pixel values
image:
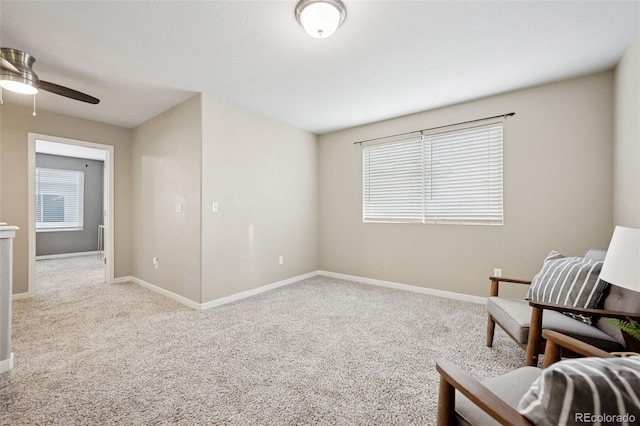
(451, 177)
(59, 200)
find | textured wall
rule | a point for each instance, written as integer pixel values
(557, 193)
(626, 177)
(263, 174)
(166, 171)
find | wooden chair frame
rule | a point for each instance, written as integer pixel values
(452, 378)
(535, 338)
(536, 343)
(491, 324)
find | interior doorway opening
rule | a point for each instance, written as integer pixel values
(61, 173)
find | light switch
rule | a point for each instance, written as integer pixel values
(178, 207)
(214, 207)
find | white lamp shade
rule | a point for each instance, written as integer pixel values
(622, 264)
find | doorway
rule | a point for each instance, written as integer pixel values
(93, 155)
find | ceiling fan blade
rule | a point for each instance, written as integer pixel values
(65, 91)
(8, 65)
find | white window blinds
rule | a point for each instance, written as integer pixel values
(453, 177)
(59, 199)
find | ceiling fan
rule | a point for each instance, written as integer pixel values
(16, 74)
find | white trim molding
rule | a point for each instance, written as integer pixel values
(217, 302)
(109, 237)
(63, 255)
(244, 294)
(171, 295)
(253, 292)
(406, 287)
(6, 364)
(19, 296)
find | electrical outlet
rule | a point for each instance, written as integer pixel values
(281, 260)
(156, 262)
(497, 272)
(178, 207)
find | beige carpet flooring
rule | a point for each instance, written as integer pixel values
(320, 351)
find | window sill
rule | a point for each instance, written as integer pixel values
(57, 229)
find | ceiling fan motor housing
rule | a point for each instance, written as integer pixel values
(23, 62)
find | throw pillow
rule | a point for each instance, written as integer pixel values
(585, 391)
(571, 281)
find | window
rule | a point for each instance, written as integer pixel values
(59, 200)
(453, 177)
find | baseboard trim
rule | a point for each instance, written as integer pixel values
(248, 293)
(406, 287)
(19, 296)
(6, 364)
(63, 255)
(253, 292)
(171, 295)
(216, 302)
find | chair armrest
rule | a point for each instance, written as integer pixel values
(535, 326)
(496, 280)
(452, 375)
(556, 341)
(597, 313)
(509, 280)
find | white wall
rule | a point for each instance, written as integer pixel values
(557, 189)
(626, 175)
(263, 174)
(166, 171)
(17, 122)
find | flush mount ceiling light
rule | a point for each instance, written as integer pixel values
(320, 18)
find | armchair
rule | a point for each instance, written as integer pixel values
(573, 278)
(524, 321)
(465, 400)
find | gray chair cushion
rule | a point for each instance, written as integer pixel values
(514, 316)
(552, 320)
(510, 387)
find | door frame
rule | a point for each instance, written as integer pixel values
(110, 188)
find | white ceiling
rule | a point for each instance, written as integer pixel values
(389, 58)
